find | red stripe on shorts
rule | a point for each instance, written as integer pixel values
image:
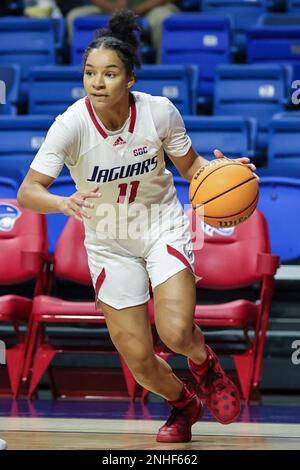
(172, 251)
(100, 281)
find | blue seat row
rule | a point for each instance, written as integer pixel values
(22, 136)
(253, 91)
(202, 39)
(54, 88)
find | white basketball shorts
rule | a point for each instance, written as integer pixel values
(121, 268)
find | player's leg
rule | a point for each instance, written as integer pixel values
(130, 332)
(174, 307)
(122, 290)
(174, 304)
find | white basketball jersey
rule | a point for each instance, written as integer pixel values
(128, 166)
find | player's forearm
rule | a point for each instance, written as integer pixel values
(197, 164)
(36, 197)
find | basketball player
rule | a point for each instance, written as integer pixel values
(113, 143)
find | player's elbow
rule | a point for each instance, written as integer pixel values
(22, 196)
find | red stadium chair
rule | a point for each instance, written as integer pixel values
(23, 246)
(233, 259)
(69, 263)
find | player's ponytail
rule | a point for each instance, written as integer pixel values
(121, 35)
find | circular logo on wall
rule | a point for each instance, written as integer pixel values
(8, 216)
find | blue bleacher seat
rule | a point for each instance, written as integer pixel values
(253, 90)
(10, 75)
(279, 19)
(59, 26)
(21, 137)
(193, 38)
(244, 12)
(293, 6)
(28, 42)
(279, 200)
(8, 188)
(275, 44)
(62, 186)
(176, 82)
(11, 172)
(84, 29)
(234, 135)
(53, 88)
(283, 151)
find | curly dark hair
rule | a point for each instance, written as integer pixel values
(121, 35)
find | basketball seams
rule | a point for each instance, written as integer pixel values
(230, 189)
(233, 215)
(213, 171)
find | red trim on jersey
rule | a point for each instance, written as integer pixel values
(172, 251)
(100, 281)
(133, 113)
(93, 118)
(98, 125)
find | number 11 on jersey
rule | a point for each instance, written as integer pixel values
(123, 192)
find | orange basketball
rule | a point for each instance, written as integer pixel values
(225, 192)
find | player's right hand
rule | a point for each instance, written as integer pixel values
(74, 205)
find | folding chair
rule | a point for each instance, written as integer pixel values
(279, 201)
(275, 44)
(8, 188)
(283, 150)
(21, 138)
(232, 259)
(258, 91)
(53, 88)
(23, 246)
(10, 76)
(70, 264)
(84, 29)
(27, 42)
(193, 38)
(245, 14)
(235, 135)
(176, 82)
(293, 6)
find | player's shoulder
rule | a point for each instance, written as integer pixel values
(73, 115)
(160, 107)
(152, 100)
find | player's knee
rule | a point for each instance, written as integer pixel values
(176, 336)
(138, 356)
(143, 366)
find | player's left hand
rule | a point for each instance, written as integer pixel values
(245, 160)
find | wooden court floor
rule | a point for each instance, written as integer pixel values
(101, 434)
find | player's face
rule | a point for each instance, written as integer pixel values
(106, 81)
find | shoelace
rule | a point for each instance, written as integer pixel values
(212, 378)
(176, 413)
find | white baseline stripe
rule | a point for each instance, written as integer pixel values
(117, 426)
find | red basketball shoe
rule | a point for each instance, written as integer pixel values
(185, 412)
(221, 395)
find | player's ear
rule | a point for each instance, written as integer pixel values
(131, 81)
